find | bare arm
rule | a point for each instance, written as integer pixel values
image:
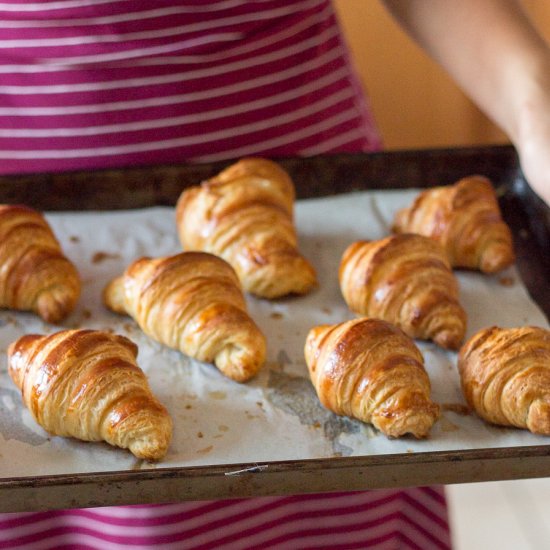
(495, 55)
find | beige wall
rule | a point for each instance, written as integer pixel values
(415, 103)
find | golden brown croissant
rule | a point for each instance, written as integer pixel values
(465, 220)
(35, 275)
(245, 215)
(505, 376)
(405, 280)
(370, 370)
(192, 302)
(86, 384)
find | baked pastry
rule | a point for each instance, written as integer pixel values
(86, 384)
(370, 370)
(505, 376)
(35, 275)
(405, 280)
(245, 215)
(192, 302)
(465, 220)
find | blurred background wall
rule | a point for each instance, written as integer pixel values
(415, 103)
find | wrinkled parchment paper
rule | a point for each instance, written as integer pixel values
(276, 416)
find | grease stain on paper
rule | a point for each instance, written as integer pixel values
(296, 396)
(217, 395)
(15, 428)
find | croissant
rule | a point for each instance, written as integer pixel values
(405, 280)
(245, 215)
(86, 384)
(505, 376)
(370, 370)
(192, 302)
(35, 275)
(465, 220)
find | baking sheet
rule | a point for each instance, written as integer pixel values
(276, 416)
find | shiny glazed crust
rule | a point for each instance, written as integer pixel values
(405, 280)
(505, 376)
(245, 215)
(370, 370)
(86, 384)
(465, 220)
(192, 302)
(35, 275)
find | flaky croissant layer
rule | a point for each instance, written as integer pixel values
(35, 275)
(465, 219)
(505, 376)
(370, 370)
(192, 302)
(405, 280)
(86, 384)
(246, 215)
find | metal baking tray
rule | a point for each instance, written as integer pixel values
(318, 176)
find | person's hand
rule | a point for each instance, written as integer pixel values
(533, 145)
(495, 54)
(535, 163)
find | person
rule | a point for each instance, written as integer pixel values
(492, 50)
(96, 83)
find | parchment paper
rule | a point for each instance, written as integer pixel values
(277, 415)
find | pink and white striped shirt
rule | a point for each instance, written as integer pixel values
(87, 83)
(109, 83)
(390, 519)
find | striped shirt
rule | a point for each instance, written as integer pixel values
(110, 83)
(97, 83)
(378, 520)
